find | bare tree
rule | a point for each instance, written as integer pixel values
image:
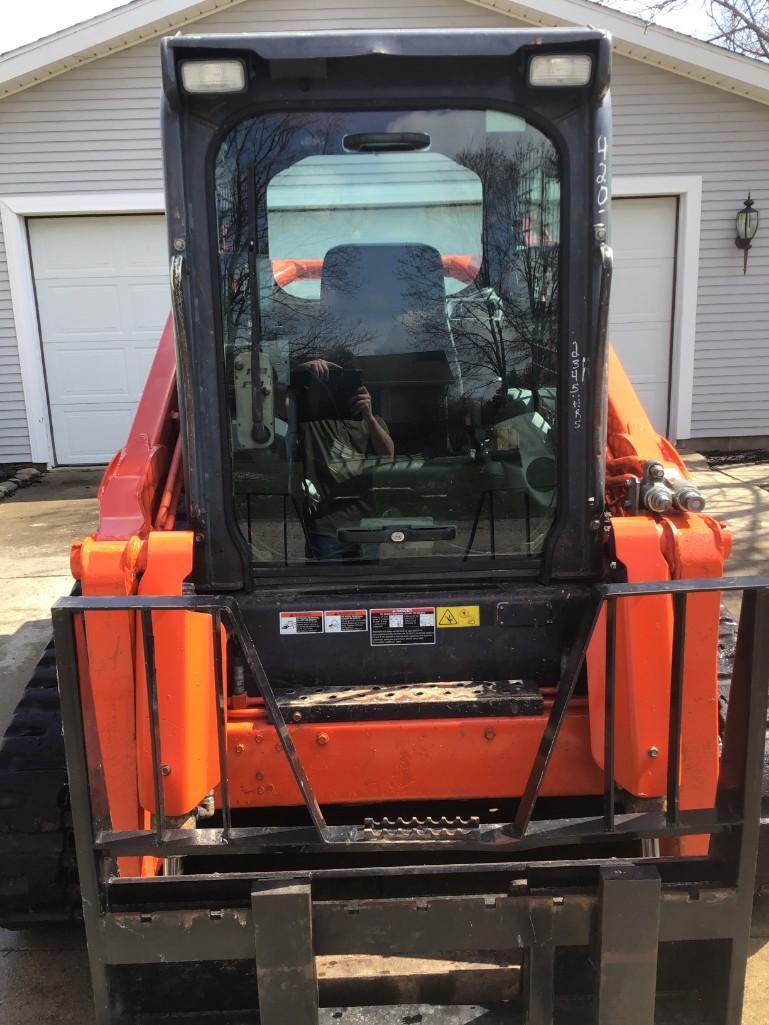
(508, 325)
(738, 25)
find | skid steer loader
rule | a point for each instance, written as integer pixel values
(398, 635)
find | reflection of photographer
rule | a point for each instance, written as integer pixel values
(339, 433)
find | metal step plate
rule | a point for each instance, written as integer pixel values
(458, 698)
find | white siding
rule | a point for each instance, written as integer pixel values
(96, 128)
(664, 124)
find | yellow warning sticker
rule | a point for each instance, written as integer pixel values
(458, 615)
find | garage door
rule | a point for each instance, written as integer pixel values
(644, 240)
(102, 296)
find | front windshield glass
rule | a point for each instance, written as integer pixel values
(390, 312)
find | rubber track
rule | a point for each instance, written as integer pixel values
(38, 871)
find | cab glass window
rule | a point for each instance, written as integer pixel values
(390, 315)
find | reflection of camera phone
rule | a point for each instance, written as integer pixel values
(344, 385)
(327, 398)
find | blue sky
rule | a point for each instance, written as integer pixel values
(29, 20)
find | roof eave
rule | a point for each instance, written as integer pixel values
(143, 20)
(98, 37)
(663, 48)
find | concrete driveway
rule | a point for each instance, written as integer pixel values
(37, 526)
(44, 974)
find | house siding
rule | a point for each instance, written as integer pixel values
(96, 128)
(665, 124)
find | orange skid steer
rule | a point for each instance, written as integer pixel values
(399, 634)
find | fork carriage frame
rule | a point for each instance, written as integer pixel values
(622, 907)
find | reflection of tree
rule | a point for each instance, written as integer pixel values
(252, 154)
(506, 322)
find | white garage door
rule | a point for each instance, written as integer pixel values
(644, 239)
(103, 297)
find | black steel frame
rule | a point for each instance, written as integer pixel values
(583, 902)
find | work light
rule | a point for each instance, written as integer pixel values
(219, 76)
(560, 69)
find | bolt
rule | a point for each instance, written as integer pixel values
(260, 775)
(489, 734)
(595, 524)
(297, 717)
(657, 498)
(270, 787)
(260, 790)
(239, 749)
(165, 770)
(600, 234)
(322, 739)
(654, 752)
(612, 565)
(688, 498)
(179, 245)
(259, 738)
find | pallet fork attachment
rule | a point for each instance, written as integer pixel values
(627, 910)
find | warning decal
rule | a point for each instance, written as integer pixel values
(345, 621)
(458, 615)
(293, 623)
(402, 626)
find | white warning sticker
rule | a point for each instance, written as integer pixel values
(294, 623)
(402, 626)
(345, 621)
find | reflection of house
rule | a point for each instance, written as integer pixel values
(424, 198)
(540, 192)
(83, 257)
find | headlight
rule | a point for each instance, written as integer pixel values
(560, 69)
(220, 76)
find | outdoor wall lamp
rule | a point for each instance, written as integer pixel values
(747, 226)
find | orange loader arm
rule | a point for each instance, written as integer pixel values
(648, 546)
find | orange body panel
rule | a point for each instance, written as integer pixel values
(104, 568)
(355, 763)
(184, 672)
(642, 695)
